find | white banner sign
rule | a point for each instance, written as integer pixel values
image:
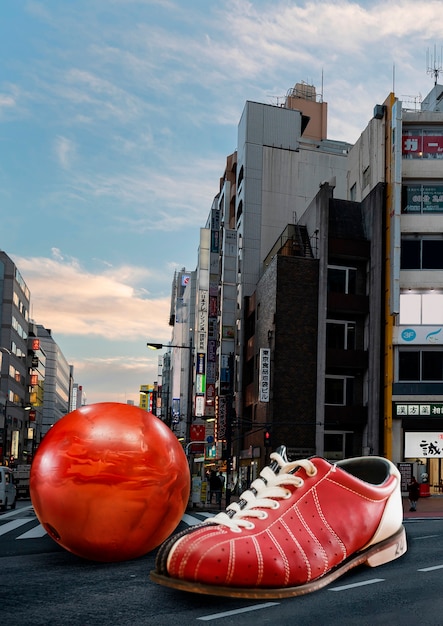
(424, 445)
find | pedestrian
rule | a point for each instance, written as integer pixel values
(414, 493)
(215, 487)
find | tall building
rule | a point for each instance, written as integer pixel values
(406, 155)
(78, 398)
(58, 380)
(319, 289)
(14, 396)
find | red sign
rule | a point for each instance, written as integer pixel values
(36, 344)
(32, 415)
(197, 433)
(423, 144)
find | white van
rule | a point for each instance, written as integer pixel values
(8, 494)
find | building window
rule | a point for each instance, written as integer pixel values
(421, 308)
(366, 177)
(421, 254)
(420, 365)
(342, 279)
(422, 143)
(337, 445)
(340, 335)
(339, 390)
(422, 199)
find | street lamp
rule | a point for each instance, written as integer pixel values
(159, 346)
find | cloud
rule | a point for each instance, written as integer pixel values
(65, 151)
(6, 101)
(75, 302)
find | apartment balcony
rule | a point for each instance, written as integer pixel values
(347, 303)
(339, 360)
(346, 417)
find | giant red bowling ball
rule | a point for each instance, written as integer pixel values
(109, 482)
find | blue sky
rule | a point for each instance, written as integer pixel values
(116, 117)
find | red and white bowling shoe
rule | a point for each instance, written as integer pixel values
(300, 526)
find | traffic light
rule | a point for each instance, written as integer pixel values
(267, 437)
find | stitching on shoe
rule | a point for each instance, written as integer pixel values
(356, 493)
(315, 538)
(326, 523)
(282, 555)
(301, 551)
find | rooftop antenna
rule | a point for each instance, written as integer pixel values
(434, 66)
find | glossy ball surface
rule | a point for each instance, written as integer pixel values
(109, 482)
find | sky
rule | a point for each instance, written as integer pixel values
(116, 118)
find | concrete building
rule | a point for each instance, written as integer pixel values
(78, 398)
(58, 380)
(14, 396)
(320, 269)
(404, 148)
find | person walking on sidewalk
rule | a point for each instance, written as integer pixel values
(215, 488)
(414, 493)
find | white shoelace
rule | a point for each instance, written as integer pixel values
(263, 493)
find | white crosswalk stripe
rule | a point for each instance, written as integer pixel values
(34, 533)
(37, 531)
(12, 525)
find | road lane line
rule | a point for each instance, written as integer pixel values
(426, 537)
(430, 569)
(12, 525)
(254, 607)
(354, 585)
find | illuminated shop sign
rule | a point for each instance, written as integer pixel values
(424, 445)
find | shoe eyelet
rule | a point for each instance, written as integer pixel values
(275, 505)
(287, 495)
(263, 515)
(250, 526)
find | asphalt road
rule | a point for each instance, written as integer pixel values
(42, 584)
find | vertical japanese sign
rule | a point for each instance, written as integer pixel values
(264, 374)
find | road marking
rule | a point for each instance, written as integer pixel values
(362, 584)
(15, 523)
(430, 569)
(192, 521)
(426, 537)
(254, 607)
(34, 533)
(38, 530)
(16, 512)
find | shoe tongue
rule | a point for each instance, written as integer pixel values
(281, 450)
(275, 467)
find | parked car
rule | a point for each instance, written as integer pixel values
(8, 492)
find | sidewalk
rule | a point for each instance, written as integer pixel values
(431, 506)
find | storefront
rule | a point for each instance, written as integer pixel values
(422, 431)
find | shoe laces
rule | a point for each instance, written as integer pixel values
(264, 493)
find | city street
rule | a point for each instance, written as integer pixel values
(42, 584)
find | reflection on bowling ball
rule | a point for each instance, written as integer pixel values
(109, 482)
